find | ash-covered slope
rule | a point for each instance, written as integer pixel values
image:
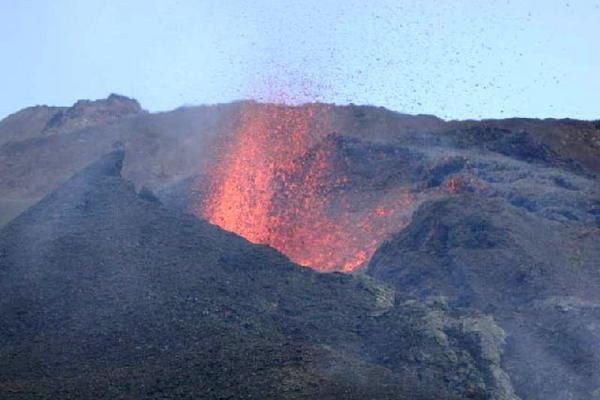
(41, 147)
(39, 121)
(537, 276)
(107, 294)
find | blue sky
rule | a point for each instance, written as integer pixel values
(456, 59)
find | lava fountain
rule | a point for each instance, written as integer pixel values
(274, 182)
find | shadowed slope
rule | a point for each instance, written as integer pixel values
(107, 294)
(539, 278)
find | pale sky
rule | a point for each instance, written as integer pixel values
(455, 58)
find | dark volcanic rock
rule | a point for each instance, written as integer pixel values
(519, 145)
(107, 294)
(538, 278)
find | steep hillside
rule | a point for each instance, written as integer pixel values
(107, 294)
(537, 277)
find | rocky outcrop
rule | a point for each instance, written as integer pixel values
(27, 123)
(86, 113)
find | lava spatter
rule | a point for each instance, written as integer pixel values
(273, 182)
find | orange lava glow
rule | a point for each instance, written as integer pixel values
(452, 184)
(272, 184)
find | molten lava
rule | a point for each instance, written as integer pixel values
(274, 182)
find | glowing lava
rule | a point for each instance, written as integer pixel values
(243, 181)
(273, 183)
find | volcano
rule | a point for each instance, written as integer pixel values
(107, 293)
(281, 180)
(311, 251)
